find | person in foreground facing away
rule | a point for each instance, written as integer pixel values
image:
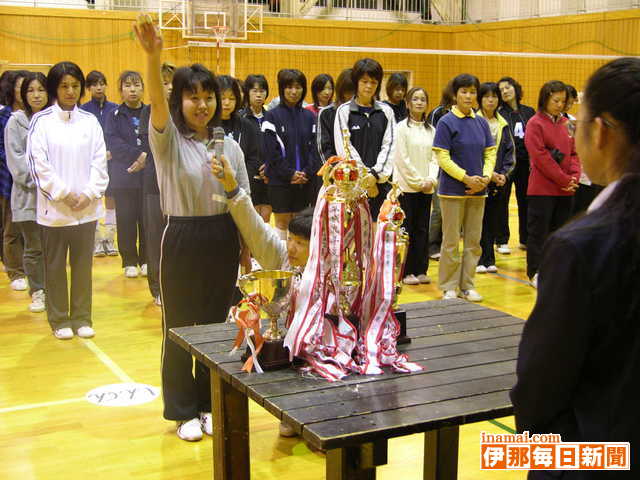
(264, 242)
(416, 171)
(467, 155)
(555, 172)
(200, 245)
(578, 362)
(67, 158)
(23, 193)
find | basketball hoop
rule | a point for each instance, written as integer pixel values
(220, 32)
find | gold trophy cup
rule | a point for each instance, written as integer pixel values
(269, 289)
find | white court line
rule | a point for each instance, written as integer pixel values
(104, 358)
(40, 405)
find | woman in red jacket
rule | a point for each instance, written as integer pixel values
(555, 171)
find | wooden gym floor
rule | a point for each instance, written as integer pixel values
(48, 431)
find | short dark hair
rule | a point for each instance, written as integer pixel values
(344, 87)
(167, 69)
(189, 78)
(129, 75)
(548, 89)
(227, 82)
(448, 99)
(464, 80)
(396, 80)
(251, 80)
(57, 72)
(33, 76)
(289, 76)
(10, 95)
(301, 223)
(571, 92)
(94, 77)
(408, 99)
(318, 85)
(487, 88)
(367, 66)
(6, 80)
(516, 86)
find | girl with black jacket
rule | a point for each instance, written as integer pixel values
(517, 115)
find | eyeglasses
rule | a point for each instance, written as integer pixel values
(605, 122)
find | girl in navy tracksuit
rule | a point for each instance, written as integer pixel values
(290, 159)
(256, 92)
(122, 134)
(488, 99)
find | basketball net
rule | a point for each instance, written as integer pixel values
(220, 32)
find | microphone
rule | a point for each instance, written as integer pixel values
(218, 146)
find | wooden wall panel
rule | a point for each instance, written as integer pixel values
(103, 40)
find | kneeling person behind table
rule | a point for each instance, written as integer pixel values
(266, 246)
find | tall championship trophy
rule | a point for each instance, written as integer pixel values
(269, 291)
(402, 248)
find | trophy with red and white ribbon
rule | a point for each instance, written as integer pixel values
(269, 291)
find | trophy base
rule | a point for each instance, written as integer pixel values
(401, 316)
(272, 356)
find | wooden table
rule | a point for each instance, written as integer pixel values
(468, 352)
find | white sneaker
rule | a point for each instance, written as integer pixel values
(534, 281)
(158, 301)
(206, 423)
(471, 295)
(504, 249)
(98, 249)
(63, 333)
(449, 294)
(481, 269)
(143, 270)
(424, 278)
(86, 331)
(189, 430)
(19, 284)
(492, 269)
(131, 272)
(435, 256)
(110, 248)
(287, 430)
(410, 280)
(37, 302)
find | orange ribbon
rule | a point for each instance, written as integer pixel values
(247, 316)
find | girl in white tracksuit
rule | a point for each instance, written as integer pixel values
(67, 158)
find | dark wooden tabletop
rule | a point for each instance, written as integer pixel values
(468, 353)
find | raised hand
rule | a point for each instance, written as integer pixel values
(148, 34)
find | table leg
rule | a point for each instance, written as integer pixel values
(441, 454)
(230, 430)
(356, 463)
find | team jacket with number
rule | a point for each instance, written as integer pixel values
(290, 143)
(372, 136)
(517, 120)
